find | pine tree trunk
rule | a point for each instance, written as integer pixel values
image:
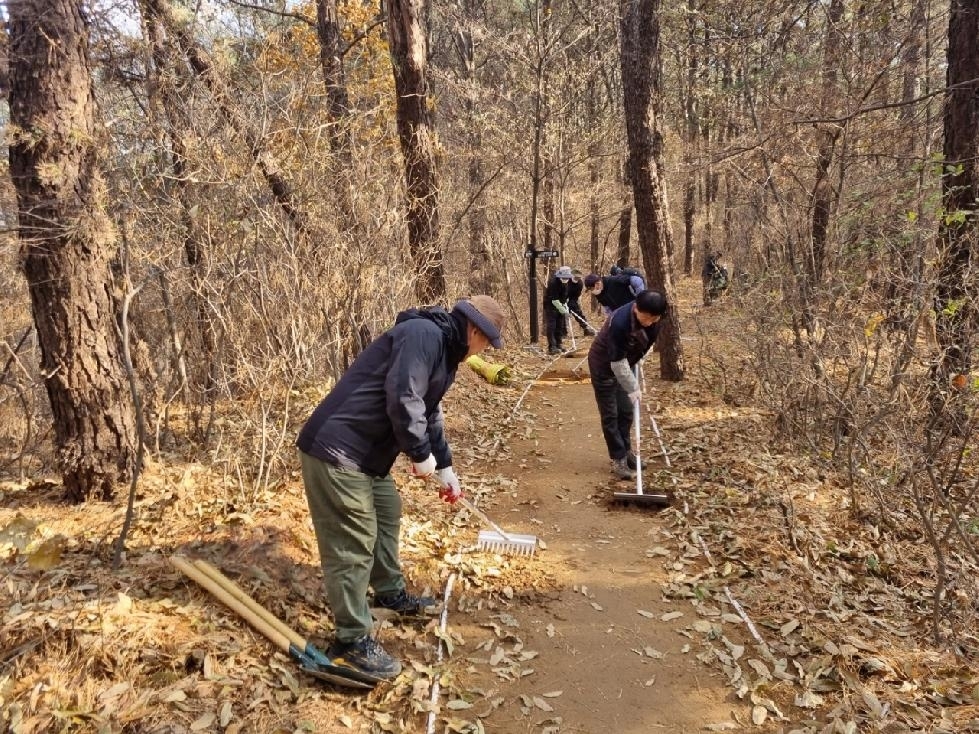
(958, 233)
(408, 38)
(822, 192)
(68, 244)
(338, 107)
(640, 86)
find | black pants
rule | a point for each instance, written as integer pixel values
(616, 412)
(556, 326)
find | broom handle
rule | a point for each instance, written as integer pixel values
(635, 423)
(277, 638)
(485, 518)
(241, 595)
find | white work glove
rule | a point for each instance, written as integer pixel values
(634, 397)
(423, 468)
(561, 308)
(451, 490)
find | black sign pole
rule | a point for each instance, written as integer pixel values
(531, 256)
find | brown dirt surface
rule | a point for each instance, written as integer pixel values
(605, 659)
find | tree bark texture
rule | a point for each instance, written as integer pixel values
(822, 192)
(691, 136)
(67, 245)
(641, 88)
(482, 274)
(408, 38)
(625, 232)
(594, 212)
(338, 106)
(172, 79)
(958, 231)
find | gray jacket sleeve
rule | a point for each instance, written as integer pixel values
(436, 436)
(623, 373)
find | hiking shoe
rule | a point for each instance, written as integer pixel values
(405, 604)
(364, 655)
(620, 468)
(554, 350)
(630, 460)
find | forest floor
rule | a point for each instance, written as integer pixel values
(754, 603)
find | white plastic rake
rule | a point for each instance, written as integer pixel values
(498, 540)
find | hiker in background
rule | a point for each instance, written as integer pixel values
(621, 343)
(613, 291)
(388, 402)
(556, 308)
(574, 302)
(714, 277)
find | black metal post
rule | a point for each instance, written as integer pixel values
(531, 256)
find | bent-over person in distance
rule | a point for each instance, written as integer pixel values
(556, 308)
(613, 291)
(621, 343)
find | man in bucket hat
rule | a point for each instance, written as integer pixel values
(387, 403)
(556, 308)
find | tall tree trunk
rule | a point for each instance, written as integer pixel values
(338, 107)
(482, 276)
(408, 38)
(958, 232)
(68, 244)
(353, 332)
(625, 232)
(594, 215)
(625, 217)
(911, 58)
(171, 77)
(641, 89)
(690, 135)
(827, 135)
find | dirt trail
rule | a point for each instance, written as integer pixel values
(601, 639)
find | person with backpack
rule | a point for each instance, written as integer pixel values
(714, 277)
(621, 343)
(387, 403)
(614, 291)
(556, 296)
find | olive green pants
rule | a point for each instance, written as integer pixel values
(357, 519)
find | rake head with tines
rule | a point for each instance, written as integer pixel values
(499, 541)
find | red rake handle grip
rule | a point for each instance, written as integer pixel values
(480, 514)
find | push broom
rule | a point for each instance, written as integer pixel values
(640, 498)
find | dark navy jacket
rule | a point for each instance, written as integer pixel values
(557, 290)
(388, 401)
(621, 337)
(575, 290)
(618, 290)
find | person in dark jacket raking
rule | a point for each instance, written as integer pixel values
(387, 403)
(621, 343)
(556, 308)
